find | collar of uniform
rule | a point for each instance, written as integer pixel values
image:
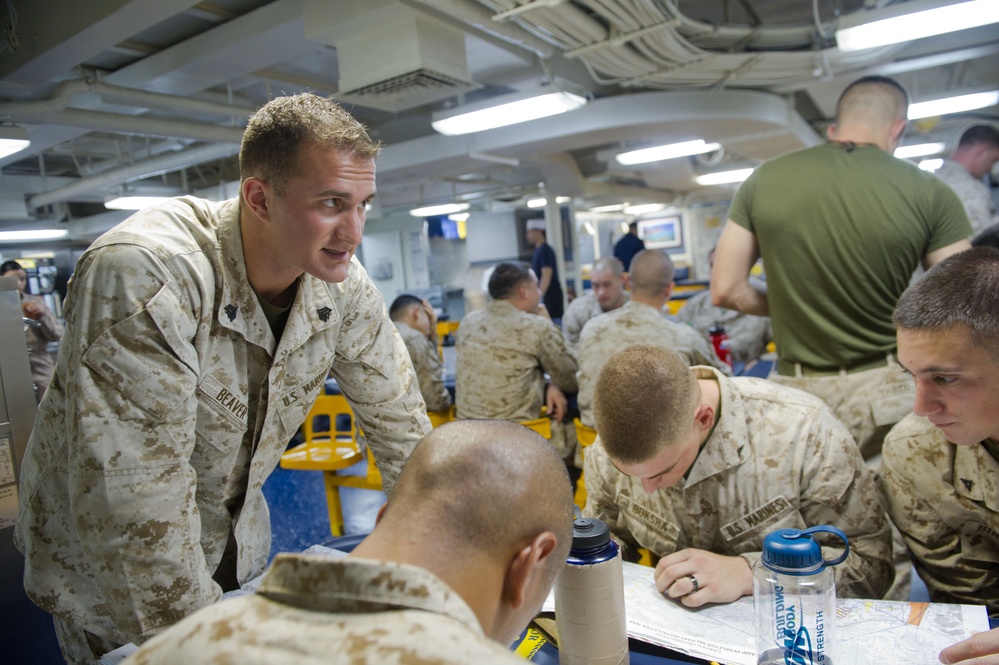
(503, 306)
(239, 309)
(976, 475)
(361, 585)
(728, 445)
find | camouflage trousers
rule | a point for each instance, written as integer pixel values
(78, 646)
(869, 403)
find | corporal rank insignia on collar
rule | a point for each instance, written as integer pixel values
(230, 311)
(968, 483)
(324, 313)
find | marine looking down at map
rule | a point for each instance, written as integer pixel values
(698, 468)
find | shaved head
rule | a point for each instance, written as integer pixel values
(874, 101)
(483, 485)
(651, 272)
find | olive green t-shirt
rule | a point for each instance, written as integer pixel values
(840, 232)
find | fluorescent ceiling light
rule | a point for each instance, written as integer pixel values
(444, 209)
(617, 207)
(957, 104)
(906, 21)
(643, 208)
(919, 150)
(40, 234)
(541, 203)
(135, 202)
(668, 151)
(459, 217)
(931, 164)
(723, 177)
(13, 139)
(495, 113)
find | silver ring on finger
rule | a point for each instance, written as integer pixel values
(693, 581)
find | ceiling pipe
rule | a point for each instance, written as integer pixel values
(481, 19)
(128, 124)
(136, 171)
(65, 91)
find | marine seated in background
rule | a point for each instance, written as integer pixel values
(452, 573)
(417, 324)
(608, 281)
(698, 468)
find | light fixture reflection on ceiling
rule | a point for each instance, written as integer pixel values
(643, 208)
(931, 164)
(135, 202)
(443, 209)
(38, 234)
(957, 104)
(906, 21)
(496, 112)
(723, 177)
(669, 151)
(919, 150)
(12, 139)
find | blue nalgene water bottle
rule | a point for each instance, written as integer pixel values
(589, 599)
(795, 599)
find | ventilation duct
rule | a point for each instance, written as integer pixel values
(390, 56)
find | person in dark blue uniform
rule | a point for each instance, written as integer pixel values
(628, 246)
(543, 263)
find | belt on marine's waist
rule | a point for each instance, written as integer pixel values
(787, 368)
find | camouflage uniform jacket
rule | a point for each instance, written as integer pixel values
(777, 459)
(973, 194)
(502, 356)
(581, 310)
(316, 610)
(428, 365)
(747, 334)
(171, 404)
(944, 499)
(630, 325)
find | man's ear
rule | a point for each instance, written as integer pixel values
(669, 290)
(831, 132)
(704, 416)
(528, 563)
(256, 196)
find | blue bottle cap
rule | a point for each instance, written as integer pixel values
(589, 532)
(797, 552)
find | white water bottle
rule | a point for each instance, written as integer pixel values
(589, 599)
(794, 595)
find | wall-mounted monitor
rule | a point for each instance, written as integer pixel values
(661, 232)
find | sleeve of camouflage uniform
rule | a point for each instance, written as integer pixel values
(372, 369)
(557, 358)
(748, 336)
(699, 350)
(600, 477)
(837, 488)
(131, 412)
(572, 323)
(430, 373)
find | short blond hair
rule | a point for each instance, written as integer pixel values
(644, 399)
(281, 128)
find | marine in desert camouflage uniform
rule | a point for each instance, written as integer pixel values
(198, 335)
(698, 468)
(940, 471)
(417, 325)
(608, 281)
(640, 321)
(446, 577)
(505, 349)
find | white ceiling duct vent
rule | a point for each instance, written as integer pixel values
(390, 56)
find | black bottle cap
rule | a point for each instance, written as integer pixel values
(589, 532)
